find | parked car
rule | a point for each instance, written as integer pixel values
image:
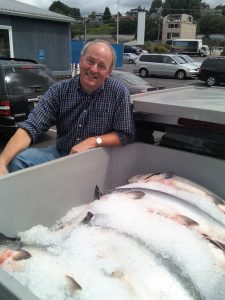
(164, 65)
(23, 82)
(134, 83)
(132, 49)
(190, 60)
(129, 58)
(212, 71)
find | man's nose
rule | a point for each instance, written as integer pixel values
(94, 67)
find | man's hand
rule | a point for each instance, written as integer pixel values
(83, 146)
(3, 170)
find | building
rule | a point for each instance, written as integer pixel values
(30, 32)
(212, 12)
(178, 26)
(135, 11)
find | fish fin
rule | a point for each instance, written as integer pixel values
(151, 175)
(21, 254)
(167, 175)
(185, 220)
(117, 274)
(217, 200)
(88, 218)
(4, 238)
(221, 207)
(218, 244)
(135, 194)
(73, 284)
(97, 194)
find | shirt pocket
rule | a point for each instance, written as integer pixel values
(99, 121)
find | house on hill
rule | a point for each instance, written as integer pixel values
(30, 32)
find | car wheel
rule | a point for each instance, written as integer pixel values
(131, 61)
(143, 72)
(180, 75)
(211, 80)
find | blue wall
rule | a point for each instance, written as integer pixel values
(78, 45)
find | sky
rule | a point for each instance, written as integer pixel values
(86, 6)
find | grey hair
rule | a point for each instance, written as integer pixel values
(87, 45)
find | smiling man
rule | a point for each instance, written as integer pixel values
(90, 110)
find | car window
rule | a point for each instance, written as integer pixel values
(167, 60)
(24, 80)
(179, 60)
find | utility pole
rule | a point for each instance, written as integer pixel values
(85, 28)
(117, 23)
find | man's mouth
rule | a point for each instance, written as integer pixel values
(91, 75)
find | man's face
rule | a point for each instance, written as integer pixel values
(95, 67)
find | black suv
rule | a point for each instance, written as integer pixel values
(212, 70)
(22, 83)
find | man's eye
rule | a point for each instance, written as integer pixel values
(89, 61)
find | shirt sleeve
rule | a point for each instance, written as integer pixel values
(44, 115)
(123, 117)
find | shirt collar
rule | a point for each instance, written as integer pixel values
(98, 91)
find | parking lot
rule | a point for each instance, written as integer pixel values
(168, 82)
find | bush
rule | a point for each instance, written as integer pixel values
(152, 47)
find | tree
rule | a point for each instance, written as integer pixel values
(190, 7)
(212, 25)
(107, 15)
(151, 29)
(205, 6)
(128, 26)
(156, 4)
(63, 9)
(222, 7)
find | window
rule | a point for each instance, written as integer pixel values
(6, 44)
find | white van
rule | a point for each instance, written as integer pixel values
(164, 65)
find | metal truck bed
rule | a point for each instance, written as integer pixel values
(44, 193)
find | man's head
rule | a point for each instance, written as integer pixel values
(96, 63)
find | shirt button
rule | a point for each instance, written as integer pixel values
(80, 125)
(84, 111)
(78, 139)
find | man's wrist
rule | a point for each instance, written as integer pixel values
(98, 141)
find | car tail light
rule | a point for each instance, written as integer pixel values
(5, 108)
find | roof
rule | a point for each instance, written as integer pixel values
(16, 8)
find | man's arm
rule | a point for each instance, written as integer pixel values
(109, 139)
(18, 142)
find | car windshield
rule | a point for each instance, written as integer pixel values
(130, 78)
(188, 58)
(180, 60)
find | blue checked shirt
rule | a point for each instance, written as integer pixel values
(78, 115)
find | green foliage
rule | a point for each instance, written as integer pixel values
(153, 47)
(155, 5)
(107, 15)
(151, 29)
(190, 7)
(212, 25)
(128, 26)
(221, 7)
(60, 8)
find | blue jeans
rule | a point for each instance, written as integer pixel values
(33, 156)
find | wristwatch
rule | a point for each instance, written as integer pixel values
(98, 141)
